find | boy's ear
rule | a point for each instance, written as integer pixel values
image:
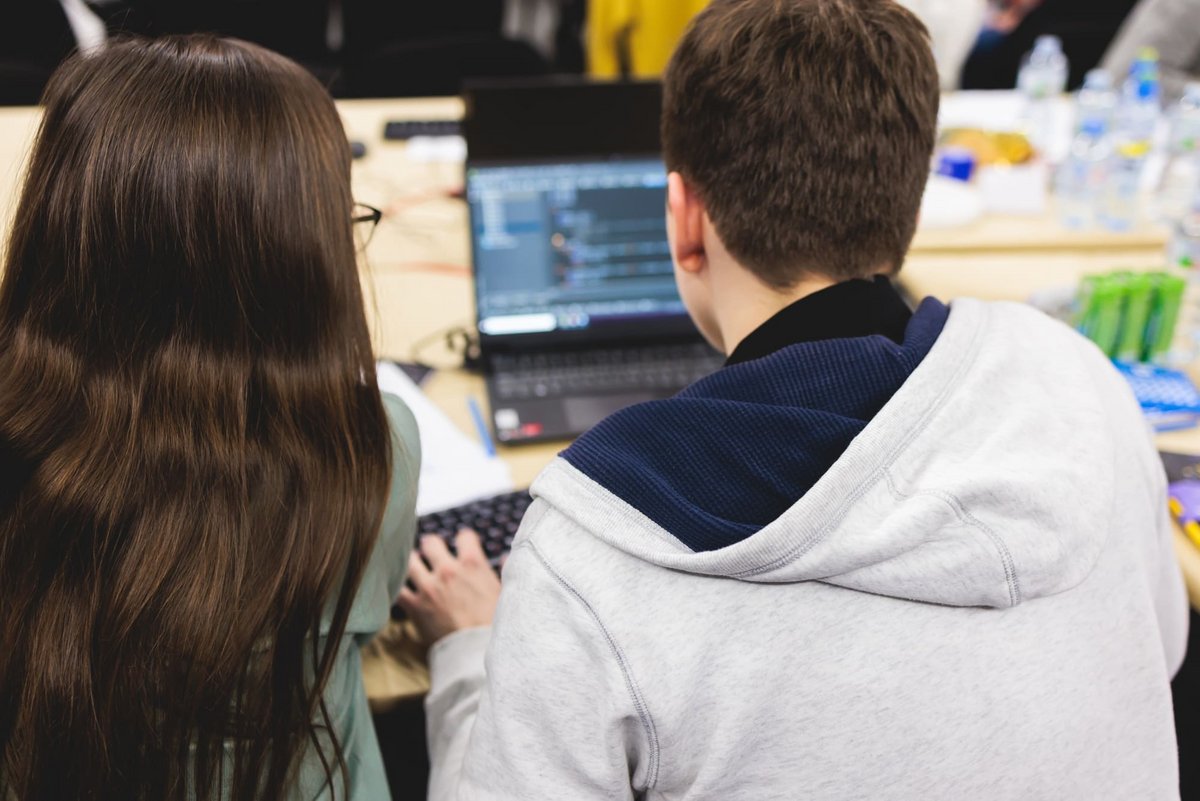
(685, 211)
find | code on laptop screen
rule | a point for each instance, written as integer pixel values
(562, 246)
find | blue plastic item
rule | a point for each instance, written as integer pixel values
(1168, 397)
(957, 163)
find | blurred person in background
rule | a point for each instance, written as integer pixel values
(631, 39)
(1170, 26)
(954, 26)
(1086, 28)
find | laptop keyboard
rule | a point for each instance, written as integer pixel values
(588, 372)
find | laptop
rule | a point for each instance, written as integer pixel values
(577, 309)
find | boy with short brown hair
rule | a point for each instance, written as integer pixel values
(881, 554)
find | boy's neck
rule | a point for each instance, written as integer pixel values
(743, 303)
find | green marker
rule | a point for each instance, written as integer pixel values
(1164, 314)
(1107, 306)
(1139, 297)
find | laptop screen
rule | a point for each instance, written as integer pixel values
(570, 245)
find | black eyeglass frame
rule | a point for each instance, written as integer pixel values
(365, 213)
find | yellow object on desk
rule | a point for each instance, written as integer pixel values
(1193, 531)
(990, 148)
(1190, 527)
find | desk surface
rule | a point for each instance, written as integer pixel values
(417, 281)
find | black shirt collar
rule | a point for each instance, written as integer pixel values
(855, 308)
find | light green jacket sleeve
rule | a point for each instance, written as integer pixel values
(389, 562)
(345, 695)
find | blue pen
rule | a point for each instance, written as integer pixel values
(481, 427)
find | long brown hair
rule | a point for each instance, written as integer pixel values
(194, 457)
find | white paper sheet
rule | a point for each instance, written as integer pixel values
(455, 469)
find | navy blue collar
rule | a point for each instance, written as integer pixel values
(855, 308)
(734, 451)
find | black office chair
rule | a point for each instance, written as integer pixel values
(438, 67)
(295, 28)
(424, 49)
(371, 25)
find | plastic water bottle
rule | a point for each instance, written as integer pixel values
(1081, 178)
(1097, 100)
(1120, 203)
(1134, 130)
(1141, 100)
(1183, 257)
(1043, 77)
(1181, 175)
(1083, 175)
(1185, 240)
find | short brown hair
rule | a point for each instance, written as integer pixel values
(807, 127)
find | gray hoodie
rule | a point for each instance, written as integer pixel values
(978, 600)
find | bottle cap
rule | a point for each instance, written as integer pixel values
(1098, 79)
(1047, 43)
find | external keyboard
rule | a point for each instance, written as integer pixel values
(410, 129)
(564, 373)
(495, 520)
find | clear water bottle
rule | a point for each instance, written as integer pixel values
(1097, 100)
(1185, 240)
(1181, 175)
(1120, 203)
(1043, 77)
(1135, 126)
(1080, 181)
(1183, 255)
(1083, 175)
(1141, 99)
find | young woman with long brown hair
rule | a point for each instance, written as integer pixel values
(205, 505)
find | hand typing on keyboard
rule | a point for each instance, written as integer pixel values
(451, 592)
(495, 520)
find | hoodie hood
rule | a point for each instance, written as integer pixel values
(730, 454)
(967, 483)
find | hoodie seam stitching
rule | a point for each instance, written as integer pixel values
(965, 363)
(959, 509)
(602, 495)
(631, 685)
(1116, 448)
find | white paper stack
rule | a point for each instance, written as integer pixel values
(455, 469)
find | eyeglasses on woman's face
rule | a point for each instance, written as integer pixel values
(365, 219)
